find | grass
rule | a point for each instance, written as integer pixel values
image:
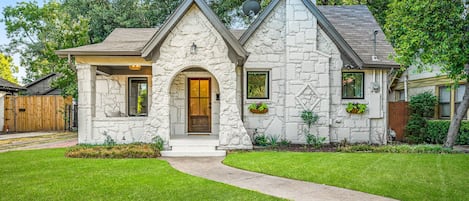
(399, 176)
(48, 175)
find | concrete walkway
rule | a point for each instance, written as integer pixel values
(212, 168)
(37, 140)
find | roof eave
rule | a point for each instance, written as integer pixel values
(64, 53)
(381, 66)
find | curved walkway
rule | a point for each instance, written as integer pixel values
(212, 168)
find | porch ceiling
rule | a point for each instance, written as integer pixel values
(122, 70)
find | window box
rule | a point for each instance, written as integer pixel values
(356, 108)
(258, 108)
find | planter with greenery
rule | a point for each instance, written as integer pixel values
(356, 108)
(258, 108)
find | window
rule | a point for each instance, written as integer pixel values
(353, 85)
(138, 96)
(400, 95)
(257, 84)
(444, 102)
(459, 94)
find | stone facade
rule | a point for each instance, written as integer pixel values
(305, 67)
(175, 57)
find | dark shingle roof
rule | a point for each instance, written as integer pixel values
(356, 25)
(6, 85)
(122, 41)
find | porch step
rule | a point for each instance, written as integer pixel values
(194, 146)
(193, 154)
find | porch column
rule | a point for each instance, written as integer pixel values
(86, 75)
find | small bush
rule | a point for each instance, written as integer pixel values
(437, 130)
(117, 151)
(273, 140)
(421, 106)
(260, 140)
(395, 149)
(158, 143)
(314, 140)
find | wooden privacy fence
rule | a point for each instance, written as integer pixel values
(398, 117)
(37, 113)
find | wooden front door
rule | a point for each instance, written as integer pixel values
(199, 105)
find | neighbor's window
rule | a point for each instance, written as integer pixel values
(353, 85)
(138, 96)
(444, 102)
(257, 84)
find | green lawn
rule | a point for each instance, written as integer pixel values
(48, 175)
(399, 176)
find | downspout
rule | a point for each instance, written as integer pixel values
(242, 94)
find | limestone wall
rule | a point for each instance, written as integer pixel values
(212, 55)
(305, 68)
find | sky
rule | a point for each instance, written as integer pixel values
(3, 37)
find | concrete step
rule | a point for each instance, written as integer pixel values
(173, 153)
(193, 148)
(194, 141)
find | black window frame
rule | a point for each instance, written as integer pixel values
(129, 88)
(267, 84)
(362, 88)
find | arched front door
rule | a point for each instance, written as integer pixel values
(199, 102)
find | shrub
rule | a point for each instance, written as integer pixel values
(273, 140)
(260, 140)
(421, 106)
(395, 149)
(118, 151)
(158, 143)
(314, 140)
(437, 130)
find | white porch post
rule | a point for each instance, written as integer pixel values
(86, 75)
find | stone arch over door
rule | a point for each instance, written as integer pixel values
(179, 101)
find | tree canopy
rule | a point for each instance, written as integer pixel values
(7, 68)
(433, 32)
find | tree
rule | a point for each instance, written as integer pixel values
(433, 32)
(36, 32)
(7, 68)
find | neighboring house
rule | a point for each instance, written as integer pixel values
(42, 86)
(413, 82)
(7, 88)
(193, 79)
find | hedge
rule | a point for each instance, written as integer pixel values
(437, 129)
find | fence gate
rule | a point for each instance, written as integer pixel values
(37, 113)
(398, 117)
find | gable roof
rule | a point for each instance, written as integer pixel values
(6, 85)
(121, 42)
(40, 80)
(333, 26)
(356, 25)
(158, 38)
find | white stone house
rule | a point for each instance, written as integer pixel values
(194, 79)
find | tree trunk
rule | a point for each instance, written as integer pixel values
(453, 131)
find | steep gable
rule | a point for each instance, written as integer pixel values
(237, 53)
